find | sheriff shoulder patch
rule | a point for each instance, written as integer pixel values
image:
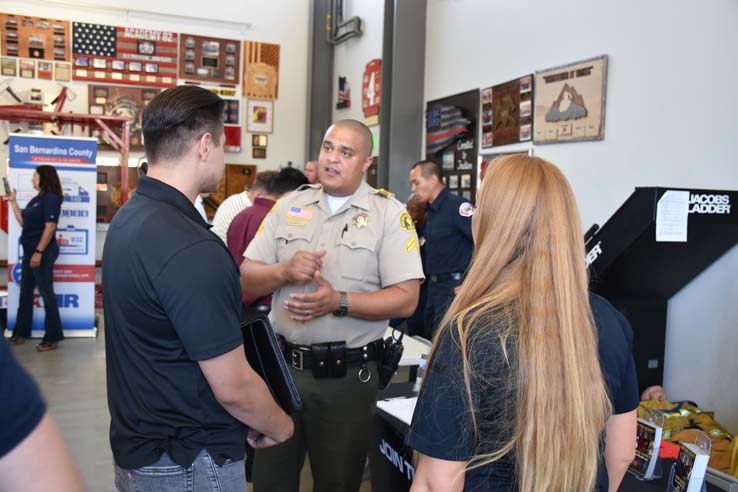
(406, 222)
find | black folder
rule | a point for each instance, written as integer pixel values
(265, 357)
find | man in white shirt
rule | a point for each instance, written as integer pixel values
(235, 204)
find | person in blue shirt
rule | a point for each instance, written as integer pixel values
(528, 368)
(40, 251)
(33, 455)
(448, 239)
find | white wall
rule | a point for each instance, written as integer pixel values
(351, 56)
(670, 122)
(284, 22)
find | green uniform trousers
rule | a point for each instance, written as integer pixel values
(334, 428)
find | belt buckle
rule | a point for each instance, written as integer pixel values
(297, 359)
(434, 278)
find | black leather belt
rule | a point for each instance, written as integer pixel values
(320, 356)
(443, 277)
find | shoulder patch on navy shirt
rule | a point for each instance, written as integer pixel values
(466, 209)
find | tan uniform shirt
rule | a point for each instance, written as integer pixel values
(370, 244)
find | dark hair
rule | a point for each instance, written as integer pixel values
(289, 179)
(48, 181)
(177, 117)
(263, 180)
(428, 169)
(143, 169)
(363, 130)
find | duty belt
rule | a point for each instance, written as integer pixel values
(329, 359)
(443, 277)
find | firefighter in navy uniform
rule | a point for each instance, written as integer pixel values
(448, 239)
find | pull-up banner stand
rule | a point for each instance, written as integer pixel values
(74, 271)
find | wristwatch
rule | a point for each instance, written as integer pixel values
(342, 310)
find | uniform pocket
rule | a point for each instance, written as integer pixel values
(293, 239)
(357, 257)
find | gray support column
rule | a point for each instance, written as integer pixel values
(320, 80)
(402, 112)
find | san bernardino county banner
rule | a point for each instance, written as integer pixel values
(74, 271)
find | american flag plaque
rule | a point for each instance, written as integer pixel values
(124, 55)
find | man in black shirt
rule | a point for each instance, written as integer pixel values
(180, 390)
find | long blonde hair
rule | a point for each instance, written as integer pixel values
(529, 265)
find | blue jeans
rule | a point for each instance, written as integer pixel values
(43, 278)
(167, 476)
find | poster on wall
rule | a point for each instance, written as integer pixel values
(208, 59)
(74, 271)
(451, 131)
(507, 112)
(261, 70)
(34, 37)
(371, 91)
(124, 55)
(570, 102)
(120, 101)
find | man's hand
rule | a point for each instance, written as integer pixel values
(304, 307)
(35, 260)
(302, 267)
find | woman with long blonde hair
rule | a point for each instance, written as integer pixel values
(528, 369)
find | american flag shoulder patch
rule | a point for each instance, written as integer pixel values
(300, 213)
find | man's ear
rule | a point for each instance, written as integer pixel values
(368, 163)
(203, 146)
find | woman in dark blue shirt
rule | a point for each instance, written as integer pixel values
(528, 367)
(40, 251)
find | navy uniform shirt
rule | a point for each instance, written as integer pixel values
(172, 297)
(23, 407)
(448, 235)
(40, 210)
(442, 425)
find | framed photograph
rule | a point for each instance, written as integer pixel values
(465, 181)
(81, 61)
(62, 71)
(230, 48)
(466, 195)
(453, 182)
(570, 102)
(189, 55)
(100, 63)
(259, 152)
(209, 61)
(190, 43)
(146, 47)
(260, 116)
(135, 66)
(258, 140)
(118, 65)
(189, 68)
(9, 67)
(45, 70)
(28, 69)
(97, 109)
(210, 48)
(152, 68)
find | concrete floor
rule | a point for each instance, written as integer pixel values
(72, 380)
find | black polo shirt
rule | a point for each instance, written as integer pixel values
(442, 422)
(172, 297)
(41, 209)
(448, 235)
